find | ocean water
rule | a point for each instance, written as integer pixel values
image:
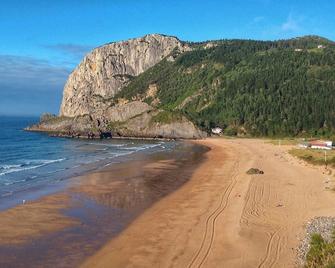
(31, 160)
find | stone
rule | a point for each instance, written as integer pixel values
(104, 71)
(88, 108)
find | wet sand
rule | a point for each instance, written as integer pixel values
(223, 217)
(63, 229)
(186, 208)
(19, 224)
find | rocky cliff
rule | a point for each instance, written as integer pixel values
(88, 106)
(154, 86)
(105, 70)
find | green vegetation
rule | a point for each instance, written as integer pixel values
(321, 253)
(114, 126)
(261, 88)
(166, 117)
(52, 119)
(315, 157)
(231, 131)
(47, 117)
(286, 141)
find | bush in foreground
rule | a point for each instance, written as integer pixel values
(321, 253)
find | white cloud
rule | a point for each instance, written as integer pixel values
(30, 85)
(258, 19)
(23, 73)
(292, 24)
(74, 50)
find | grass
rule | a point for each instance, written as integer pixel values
(315, 157)
(315, 50)
(114, 126)
(321, 253)
(166, 117)
(55, 119)
(285, 141)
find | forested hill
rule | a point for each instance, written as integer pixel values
(261, 88)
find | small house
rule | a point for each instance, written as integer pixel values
(321, 145)
(217, 130)
(321, 46)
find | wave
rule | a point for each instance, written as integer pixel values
(143, 147)
(7, 194)
(107, 145)
(14, 182)
(27, 165)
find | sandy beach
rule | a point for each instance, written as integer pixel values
(191, 207)
(223, 217)
(62, 229)
(167, 134)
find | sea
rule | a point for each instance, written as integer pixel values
(31, 160)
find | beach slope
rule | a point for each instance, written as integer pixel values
(224, 217)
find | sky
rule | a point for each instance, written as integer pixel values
(42, 41)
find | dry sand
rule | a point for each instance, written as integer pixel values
(223, 217)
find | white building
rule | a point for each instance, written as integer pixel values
(322, 145)
(329, 143)
(217, 130)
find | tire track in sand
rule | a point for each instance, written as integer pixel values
(253, 209)
(274, 244)
(211, 221)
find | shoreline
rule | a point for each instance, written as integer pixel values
(55, 134)
(103, 135)
(177, 210)
(223, 217)
(94, 208)
(14, 194)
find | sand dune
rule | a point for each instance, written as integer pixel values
(225, 218)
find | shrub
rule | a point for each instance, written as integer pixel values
(230, 131)
(321, 253)
(166, 117)
(47, 117)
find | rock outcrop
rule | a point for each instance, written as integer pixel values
(124, 112)
(140, 126)
(67, 126)
(105, 70)
(145, 125)
(87, 109)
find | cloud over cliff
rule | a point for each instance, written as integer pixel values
(30, 83)
(75, 51)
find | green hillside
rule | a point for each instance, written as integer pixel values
(261, 88)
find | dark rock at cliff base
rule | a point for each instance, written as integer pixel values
(145, 125)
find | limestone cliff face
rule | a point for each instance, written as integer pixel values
(87, 110)
(105, 70)
(143, 125)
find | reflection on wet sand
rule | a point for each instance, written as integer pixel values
(133, 187)
(101, 205)
(19, 224)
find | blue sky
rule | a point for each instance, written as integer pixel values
(42, 41)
